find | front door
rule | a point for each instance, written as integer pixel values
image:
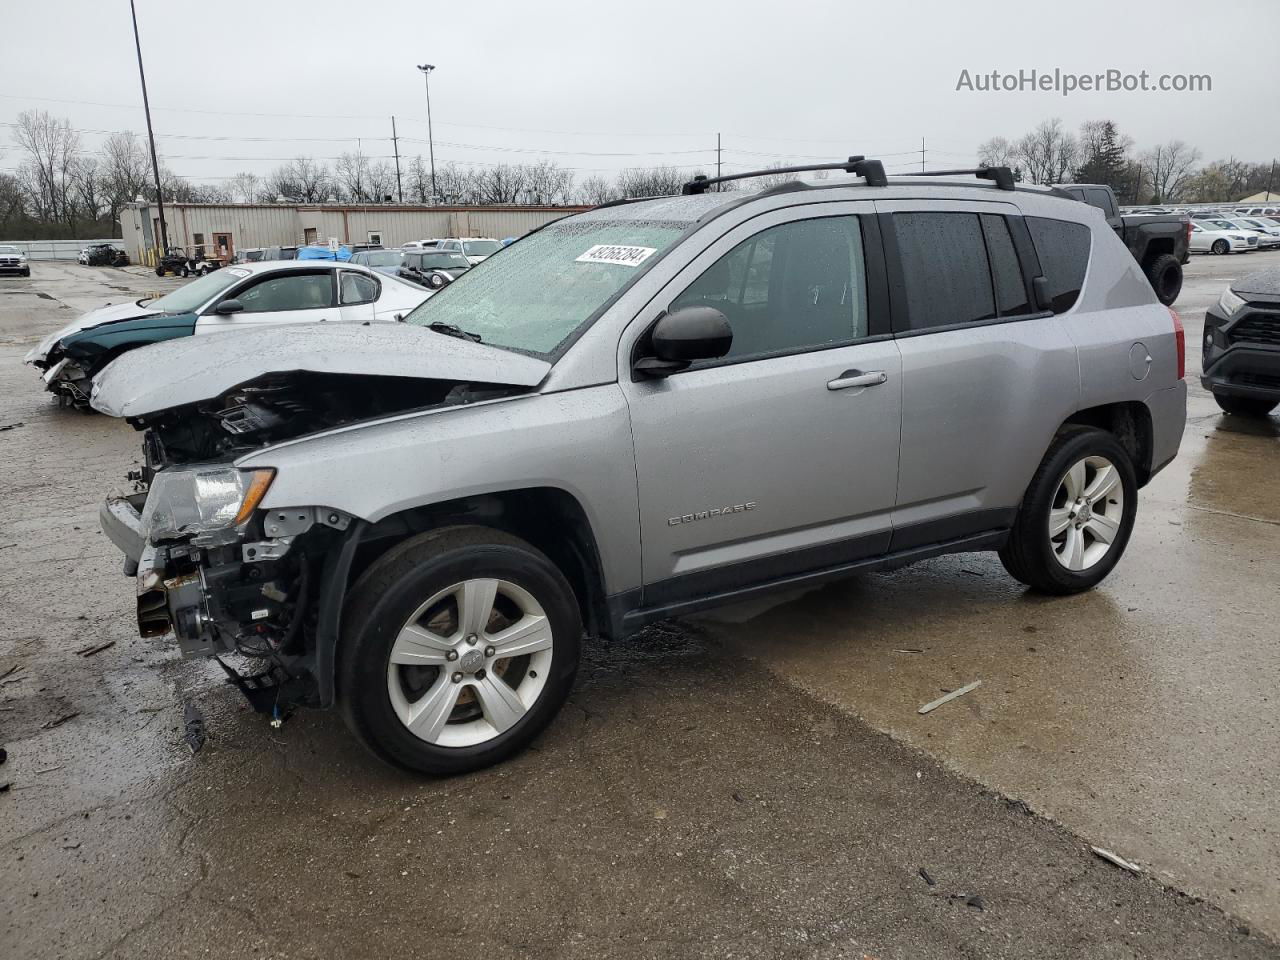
(223, 247)
(781, 458)
(288, 296)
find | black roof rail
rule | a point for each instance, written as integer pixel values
(871, 170)
(1002, 176)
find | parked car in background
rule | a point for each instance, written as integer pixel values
(280, 253)
(250, 255)
(651, 408)
(1268, 233)
(1209, 238)
(83, 257)
(13, 260)
(475, 249)
(1241, 350)
(1268, 211)
(1159, 242)
(382, 261)
(245, 296)
(433, 268)
(1253, 238)
(105, 255)
(420, 245)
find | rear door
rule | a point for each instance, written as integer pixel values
(285, 296)
(986, 376)
(357, 292)
(779, 459)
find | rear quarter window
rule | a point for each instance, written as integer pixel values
(1063, 249)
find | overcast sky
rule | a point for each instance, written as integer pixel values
(600, 85)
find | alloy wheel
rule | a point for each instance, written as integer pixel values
(1086, 514)
(470, 662)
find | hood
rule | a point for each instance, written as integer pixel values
(180, 372)
(94, 318)
(1265, 282)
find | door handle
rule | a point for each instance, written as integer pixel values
(856, 378)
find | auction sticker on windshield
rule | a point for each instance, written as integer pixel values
(612, 253)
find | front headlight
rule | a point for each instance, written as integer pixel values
(186, 501)
(1230, 302)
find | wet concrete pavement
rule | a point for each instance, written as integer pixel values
(687, 802)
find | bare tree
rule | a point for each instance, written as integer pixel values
(245, 187)
(652, 181)
(501, 183)
(1168, 166)
(380, 181)
(351, 173)
(455, 184)
(595, 189)
(87, 189)
(125, 171)
(310, 179)
(51, 148)
(997, 152)
(1047, 154)
(546, 182)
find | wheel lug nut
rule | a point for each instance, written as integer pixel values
(457, 677)
(488, 651)
(471, 638)
(451, 655)
(479, 674)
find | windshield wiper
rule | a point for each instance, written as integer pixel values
(449, 330)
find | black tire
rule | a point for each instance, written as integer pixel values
(1029, 555)
(1165, 274)
(159, 270)
(184, 271)
(27, 272)
(1245, 406)
(1221, 247)
(386, 595)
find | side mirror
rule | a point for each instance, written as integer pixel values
(228, 306)
(683, 336)
(1040, 288)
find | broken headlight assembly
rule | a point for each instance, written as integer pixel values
(202, 501)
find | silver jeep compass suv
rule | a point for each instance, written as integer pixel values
(637, 412)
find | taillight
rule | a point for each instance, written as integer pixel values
(1180, 337)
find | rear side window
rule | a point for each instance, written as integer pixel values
(357, 288)
(1063, 249)
(1101, 200)
(945, 269)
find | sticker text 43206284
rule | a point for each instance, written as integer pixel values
(615, 253)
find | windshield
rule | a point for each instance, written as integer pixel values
(481, 248)
(383, 258)
(542, 289)
(1222, 225)
(199, 292)
(445, 260)
(4, 249)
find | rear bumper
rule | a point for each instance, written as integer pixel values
(1168, 410)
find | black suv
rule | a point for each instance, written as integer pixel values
(433, 268)
(1241, 360)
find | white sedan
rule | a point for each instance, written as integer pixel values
(244, 296)
(1208, 236)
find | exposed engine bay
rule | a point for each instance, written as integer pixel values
(253, 587)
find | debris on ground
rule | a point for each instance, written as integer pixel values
(93, 649)
(738, 797)
(14, 669)
(908, 650)
(947, 698)
(924, 875)
(1119, 861)
(11, 426)
(4, 787)
(59, 721)
(194, 734)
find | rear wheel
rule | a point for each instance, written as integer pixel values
(159, 270)
(1076, 516)
(1165, 274)
(1220, 247)
(1244, 406)
(458, 647)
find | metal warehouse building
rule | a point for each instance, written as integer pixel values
(225, 228)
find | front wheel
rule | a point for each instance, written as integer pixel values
(1076, 515)
(1244, 406)
(159, 270)
(458, 647)
(1221, 247)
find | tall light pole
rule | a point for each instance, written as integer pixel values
(146, 106)
(426, 69)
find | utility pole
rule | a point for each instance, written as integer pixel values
(426, 69)
(395, 142)
(718, 161)
(922, 154)
(1270, 177)
(146, 106)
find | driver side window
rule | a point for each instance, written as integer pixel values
(797, 286)
(291, 291)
